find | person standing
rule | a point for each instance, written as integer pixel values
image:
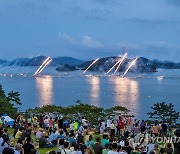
(84, 122)
(136, 129)
(51, 122)
(108, 124)
(120, 127)
(46, 123)
(155, 130)
(164, 128)
(60, 122)
(112, 133)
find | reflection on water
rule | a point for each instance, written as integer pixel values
(126, 92)
(45, 87)
(95, 87)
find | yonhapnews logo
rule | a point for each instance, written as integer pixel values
(172, 139)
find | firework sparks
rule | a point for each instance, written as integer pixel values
(45, 66)
(41, 66)
(120, 62)
(91, 65)
(133, 62)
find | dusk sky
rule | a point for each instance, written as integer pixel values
(88, 29)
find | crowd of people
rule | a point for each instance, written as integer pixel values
(124, 135)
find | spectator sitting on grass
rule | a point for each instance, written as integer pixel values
(61, 135)
(19, 133)
(66, 149)
(43, 142)
(53, 138)
(28, 146)
(39, 133)
(71, 139)
(3, 142)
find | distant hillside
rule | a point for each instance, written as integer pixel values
(66, 68)
(166, 64)
(66, 60)
(37, 61)
(3, 62)
(104, 64)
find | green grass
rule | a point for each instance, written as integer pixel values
(44, 150)
(40, 150)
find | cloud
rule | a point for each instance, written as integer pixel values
(158, 44)
(65, 37)
(152, 22)
(127, 45)
(85, 41)
(89, 42)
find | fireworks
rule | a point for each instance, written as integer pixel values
(43, 65)
(132, 63)
(112, 67)
(91, 65)
(120, 62)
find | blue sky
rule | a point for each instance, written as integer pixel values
(88, 29)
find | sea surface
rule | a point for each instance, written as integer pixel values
(137, 92)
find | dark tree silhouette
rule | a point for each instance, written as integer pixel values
(7, 102)
(163, 111)
(14, 97)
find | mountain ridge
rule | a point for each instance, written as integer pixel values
(37, 61)
(103, 64)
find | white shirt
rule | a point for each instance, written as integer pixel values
(57, 133)
(76, 152)
(122, 152)
(108, 123)
(65, 151)
(103, 125)
(112, 152)
(84, 122)
(46, 122)
(122, 143)
(150, 147)
(4, 146)
(71, 126)
(16, 152)
(113, 126)
(39, 134)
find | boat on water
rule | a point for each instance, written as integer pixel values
(160, 77)
(90, 75)
(140, 76)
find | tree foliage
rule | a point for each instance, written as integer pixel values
(14, 97)
(163, 111)
(2, 93)
(7, 102)
(75, 112)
